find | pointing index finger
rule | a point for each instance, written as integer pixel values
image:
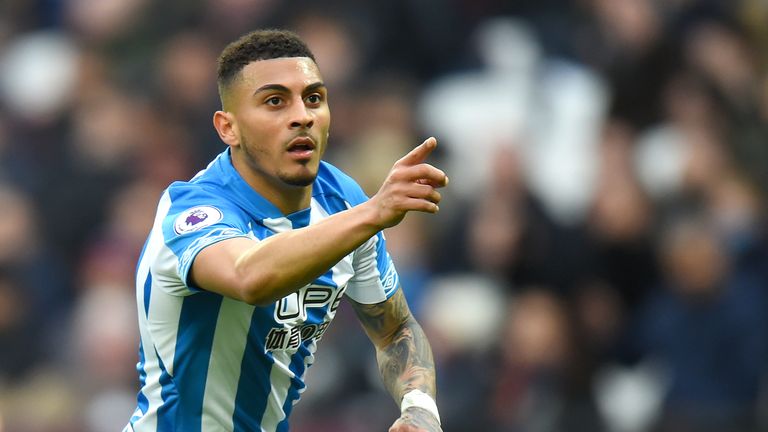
(420, 153)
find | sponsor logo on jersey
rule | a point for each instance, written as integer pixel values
(196, 218)
(291, 312)
(292, 309)
(290, 338)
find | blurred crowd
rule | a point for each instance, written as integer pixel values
(600, 262)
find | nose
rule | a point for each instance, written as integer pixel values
(302, 117)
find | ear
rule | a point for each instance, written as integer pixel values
(226, 126)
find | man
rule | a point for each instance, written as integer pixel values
(247, 262)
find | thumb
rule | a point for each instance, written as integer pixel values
(420, 153)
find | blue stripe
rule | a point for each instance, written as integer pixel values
(166, 413)
(143, 402)
(298, 368)
(382, 259)
(254, 385)
(299, 219)
(331, 202)
(388, 275)
(147, 292)
(142, 398)
(327, 280)
(197, 325)
(315, 316)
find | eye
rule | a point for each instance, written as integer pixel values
(274, 101)
(314, 98)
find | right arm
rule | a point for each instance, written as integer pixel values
(261, 272)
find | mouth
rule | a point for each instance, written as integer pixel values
(301, 147)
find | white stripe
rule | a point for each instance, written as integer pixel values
(343, 270)
(308, 361)
(165, 270)
(316, 212)
(280, 377)
(278, 224)
(341, 273)
(365, 287)
(160, 329)
(164, 312)
(224, 367)
(152, 388)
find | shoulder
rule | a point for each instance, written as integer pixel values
(185, 195)
(195, 205)
(333, 181)
(211, 184)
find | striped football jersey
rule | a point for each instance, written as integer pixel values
(211, 363)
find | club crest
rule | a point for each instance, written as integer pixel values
(196, 218)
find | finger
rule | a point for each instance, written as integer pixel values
(420, 153)
(433, 183)
(423, 174)
(425, 192)
(420, 205)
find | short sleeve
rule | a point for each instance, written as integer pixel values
(192, 224)
(375, 278)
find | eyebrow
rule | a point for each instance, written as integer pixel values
(284, 89)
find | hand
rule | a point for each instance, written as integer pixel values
(416, 419)
(410, 186)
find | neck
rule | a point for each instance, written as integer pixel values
(287, 198)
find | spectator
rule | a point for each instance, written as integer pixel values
(707, 325)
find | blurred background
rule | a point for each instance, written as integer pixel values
(600, 262)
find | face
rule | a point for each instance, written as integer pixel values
(280, 120)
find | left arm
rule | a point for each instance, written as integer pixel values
(404, 357)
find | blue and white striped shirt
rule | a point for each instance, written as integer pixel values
(212, 363)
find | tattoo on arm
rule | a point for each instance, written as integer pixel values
(421, 418)
(402, 349)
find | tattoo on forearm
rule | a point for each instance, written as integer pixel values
(403, 352)
(420, 417)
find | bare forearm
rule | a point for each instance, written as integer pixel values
(406, 362)
(402, 349)
(281, 264)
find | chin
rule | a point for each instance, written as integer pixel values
(303, 176)
(300, 180)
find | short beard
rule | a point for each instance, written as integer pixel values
(291, 180)
(299, 181)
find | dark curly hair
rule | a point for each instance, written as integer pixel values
(258, 45)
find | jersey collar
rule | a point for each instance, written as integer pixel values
(244, 195)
